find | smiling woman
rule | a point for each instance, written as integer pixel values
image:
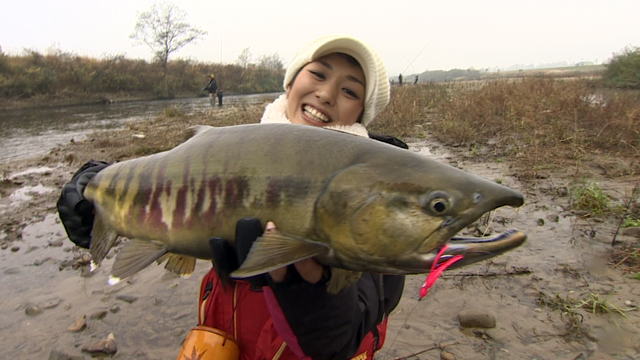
(337, 82)
(328, 91)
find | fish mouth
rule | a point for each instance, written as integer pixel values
(473, 249)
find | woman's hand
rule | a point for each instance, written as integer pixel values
(309, 269)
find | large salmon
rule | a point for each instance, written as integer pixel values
(350, 202)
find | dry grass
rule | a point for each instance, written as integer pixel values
(539, 123)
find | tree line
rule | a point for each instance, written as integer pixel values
(165, 30)
(63, 74)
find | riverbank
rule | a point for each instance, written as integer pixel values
(51, 101)
(556, 297)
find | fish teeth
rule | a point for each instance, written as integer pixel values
(315, 114)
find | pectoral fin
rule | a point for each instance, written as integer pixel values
(102, 239)
(134, 256)
(275, 250)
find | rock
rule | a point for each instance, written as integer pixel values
(445, 355)
(51, 304)
(31, 249)
(563, 191)
(98, 315)
(127, 298)
(106, 346)
(114, 309)
(15, 248)
(56, 243)
(33, 310)
(41, 261)
(476, 319)
(58, 355)
(540, 222)
(79, 324)
(553, 217)
(12, 271)
(631, 231)
(4, 245)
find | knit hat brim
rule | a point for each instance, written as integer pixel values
(377, 81)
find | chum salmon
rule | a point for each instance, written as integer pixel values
(354, 204)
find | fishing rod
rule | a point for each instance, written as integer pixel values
(414, 59)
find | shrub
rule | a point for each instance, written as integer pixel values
(623, 71)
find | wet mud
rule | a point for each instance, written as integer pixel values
(46, 284)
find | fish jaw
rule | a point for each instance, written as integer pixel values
(472, 249)
(477, 249)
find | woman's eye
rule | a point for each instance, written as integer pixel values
(317, 74)
(351, 93)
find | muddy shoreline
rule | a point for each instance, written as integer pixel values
(566, 256)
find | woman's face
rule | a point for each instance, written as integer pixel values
(327, 91)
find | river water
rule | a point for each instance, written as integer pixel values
(26, 133)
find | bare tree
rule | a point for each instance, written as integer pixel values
(244, 59)
(165, 30)
(271, 62)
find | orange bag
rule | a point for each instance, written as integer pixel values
(207, 343)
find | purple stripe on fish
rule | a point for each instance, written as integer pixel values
(235, 190)
(181, 198)
(155, 215)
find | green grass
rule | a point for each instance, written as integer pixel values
(588, 196)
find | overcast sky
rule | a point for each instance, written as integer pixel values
(410, 35)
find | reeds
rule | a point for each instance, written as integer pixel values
(538, 123)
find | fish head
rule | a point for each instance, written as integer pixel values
(395, 218)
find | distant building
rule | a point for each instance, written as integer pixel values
(585, 63)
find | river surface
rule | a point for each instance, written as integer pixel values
(26, 133)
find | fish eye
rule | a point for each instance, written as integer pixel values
(476, 198)
(437, 203)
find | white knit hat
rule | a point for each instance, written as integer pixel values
(375, 73)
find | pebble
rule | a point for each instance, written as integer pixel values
(51, 304)
(445, 355)
(476, 319)
(79, 324)
(15, 248)
(127, 298)
(98, 315)
(58, 355)
(553, 217)
(40, 261)
(33, 310)
(106, 346)
(4, 245)
(114, 309)
(56, 243)
(31, 249)
(12, 271)
(631, 231)
(563, 191)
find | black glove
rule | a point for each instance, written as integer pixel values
(76, 213)
(227, 257)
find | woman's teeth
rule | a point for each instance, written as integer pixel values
(315, 114)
